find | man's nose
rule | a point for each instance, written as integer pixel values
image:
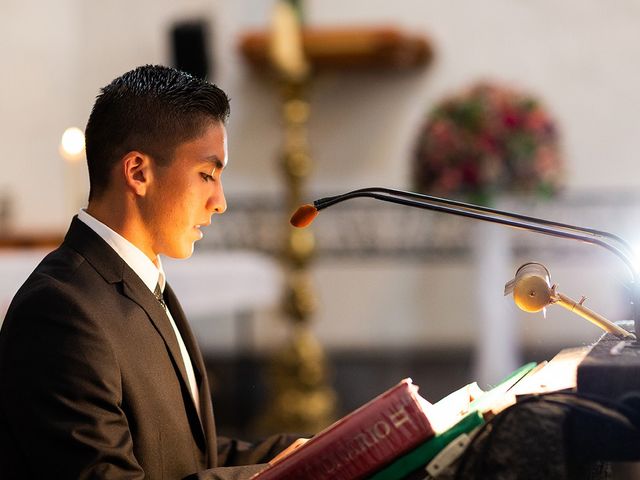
(217, 201)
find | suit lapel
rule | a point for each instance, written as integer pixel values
(185, 331)
(206, 410)
(136, 290)
(114, 269)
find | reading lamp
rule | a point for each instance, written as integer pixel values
(532, 291)
(531, 286)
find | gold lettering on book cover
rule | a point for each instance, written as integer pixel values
(401, 417)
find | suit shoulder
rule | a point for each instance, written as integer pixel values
(62, 279)
(58, 304)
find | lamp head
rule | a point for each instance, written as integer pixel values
(531, 287)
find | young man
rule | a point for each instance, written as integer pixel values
(100, 375)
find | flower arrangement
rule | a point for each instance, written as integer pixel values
(486, 140)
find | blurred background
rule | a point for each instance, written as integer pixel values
(526, 106)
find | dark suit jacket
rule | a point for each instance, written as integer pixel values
(92, 383)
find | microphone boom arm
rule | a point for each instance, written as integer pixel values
(513, 220)
(628, 250)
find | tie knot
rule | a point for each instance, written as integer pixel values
(158, 293)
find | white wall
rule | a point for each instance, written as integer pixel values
(580, 56)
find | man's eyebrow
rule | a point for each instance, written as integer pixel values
(215, 160)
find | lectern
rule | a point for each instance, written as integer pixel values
(608, 378)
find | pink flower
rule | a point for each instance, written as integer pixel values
(484, 138)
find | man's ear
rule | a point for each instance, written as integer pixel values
(136, 167)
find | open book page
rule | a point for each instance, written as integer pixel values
(448, 411)
(459, 403)
(508, 398)
(558, 374)
(555, 375)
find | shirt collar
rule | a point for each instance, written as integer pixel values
(132, 255)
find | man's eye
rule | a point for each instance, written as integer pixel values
(206, 177)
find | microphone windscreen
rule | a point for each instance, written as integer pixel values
(303, 216)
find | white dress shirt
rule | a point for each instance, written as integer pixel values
(151, 276)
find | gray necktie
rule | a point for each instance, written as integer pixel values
(158, 293)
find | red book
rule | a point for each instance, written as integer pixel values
(362, 442)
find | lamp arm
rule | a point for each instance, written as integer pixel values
(588, 314)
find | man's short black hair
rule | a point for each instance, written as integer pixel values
(152, 109)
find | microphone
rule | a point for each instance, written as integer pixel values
(305, 215)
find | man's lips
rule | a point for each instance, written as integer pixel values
(198, 226)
